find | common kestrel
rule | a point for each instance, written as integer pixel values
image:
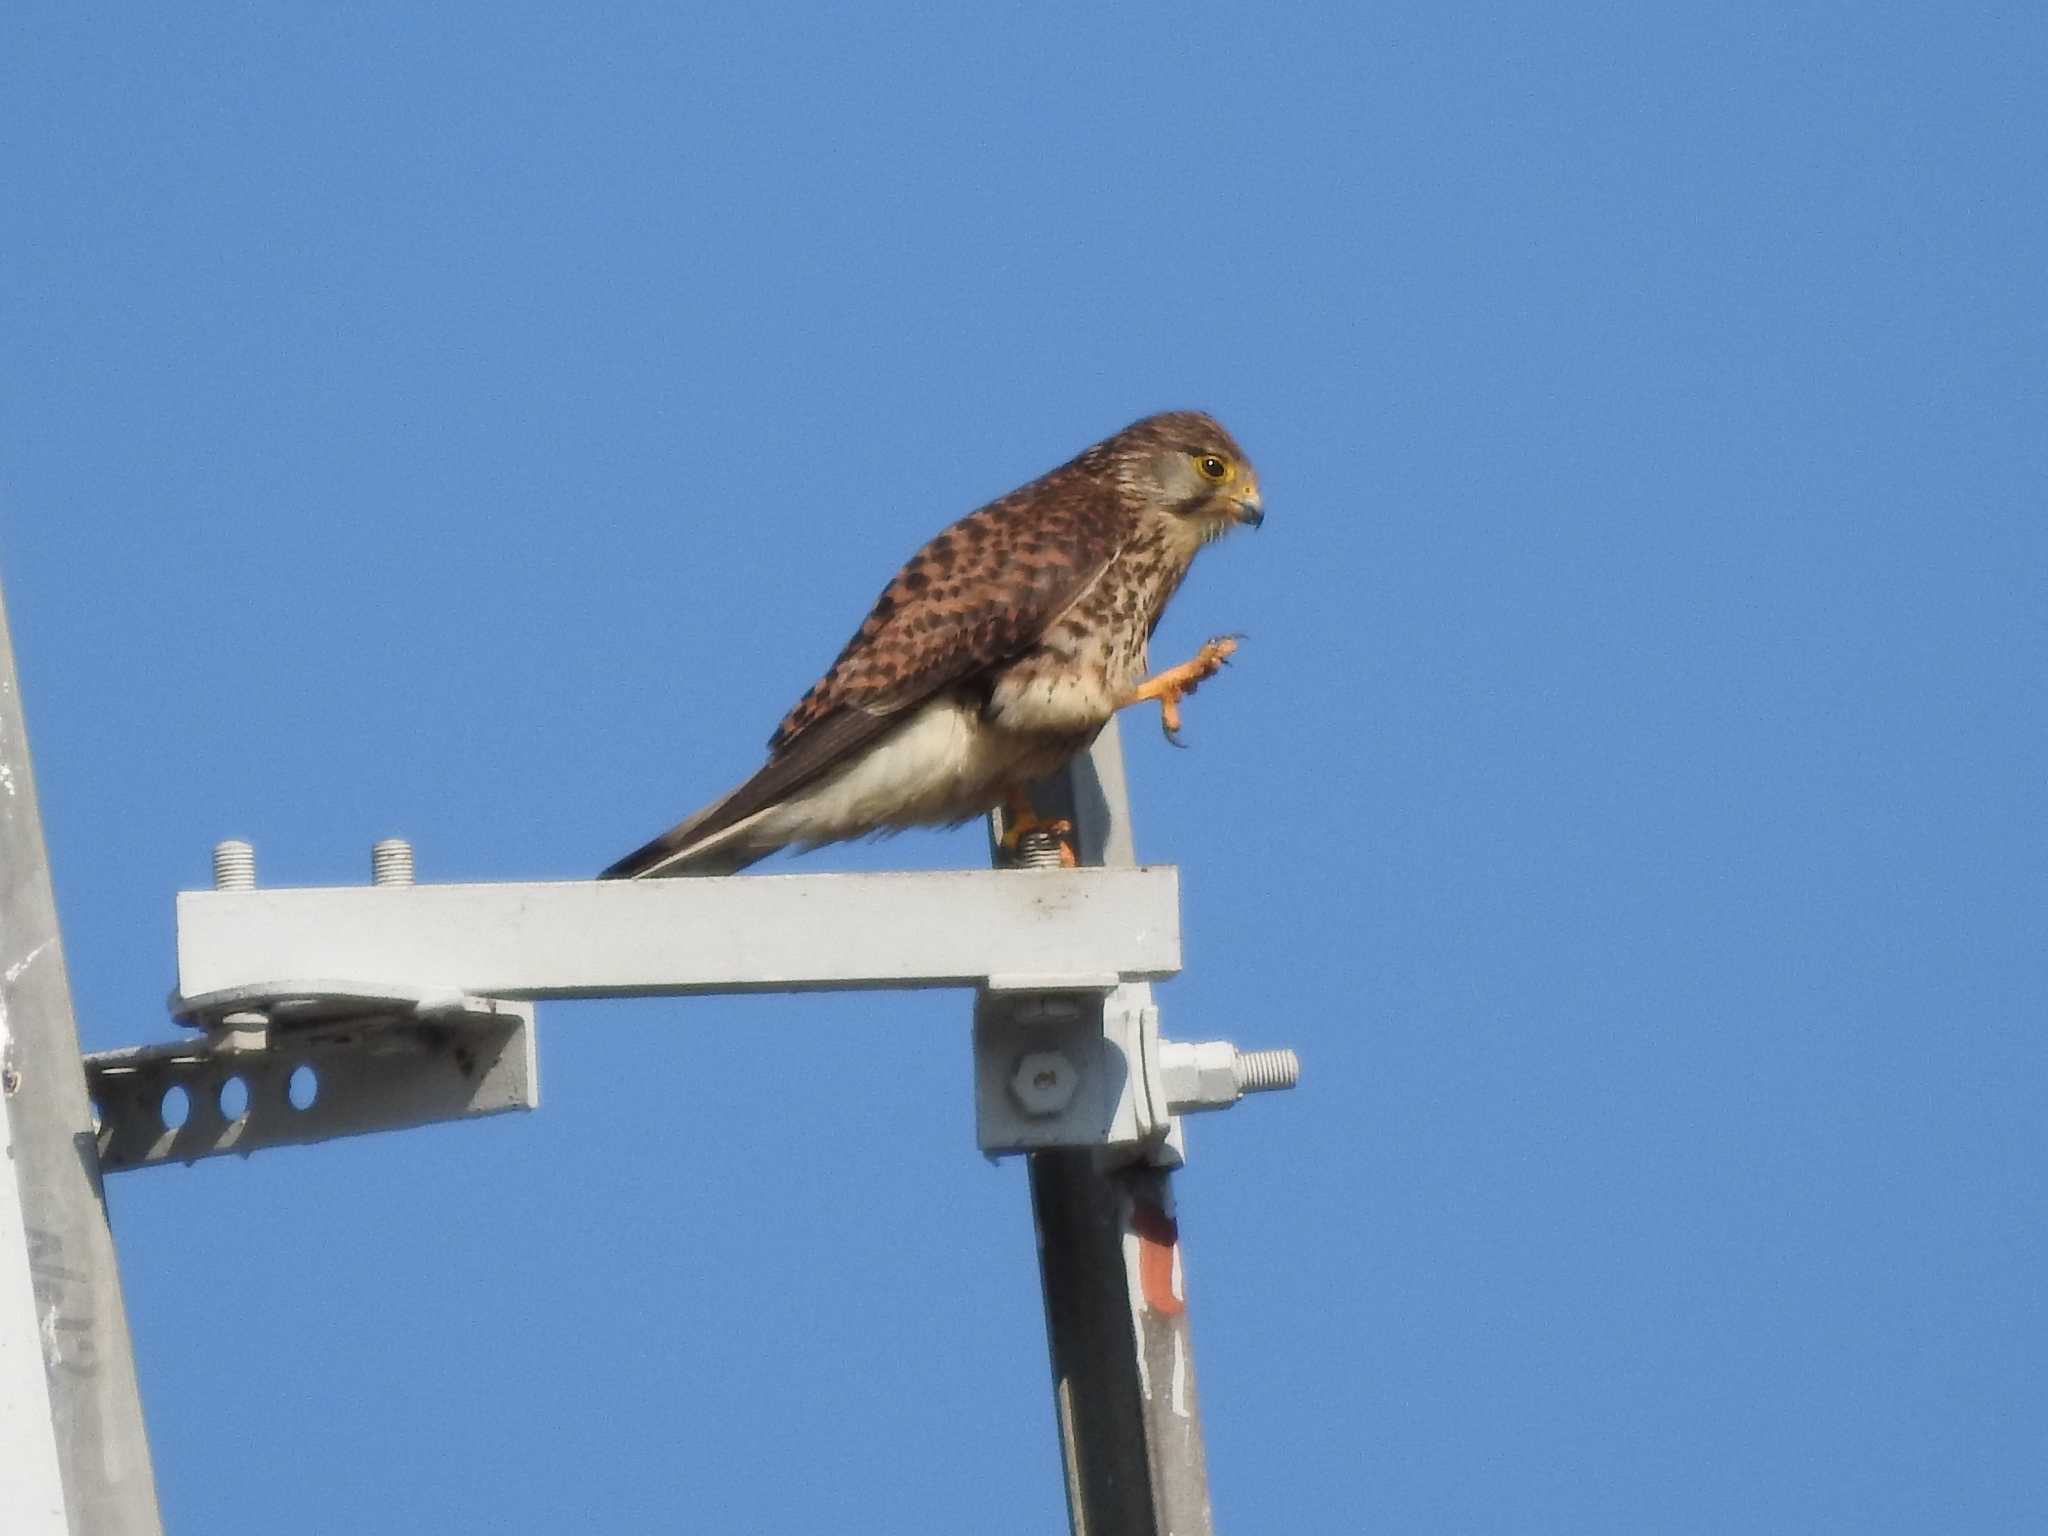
(999, 651)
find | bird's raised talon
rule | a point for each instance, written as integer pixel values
(1176, 683)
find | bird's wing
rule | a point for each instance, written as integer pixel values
(980, 594)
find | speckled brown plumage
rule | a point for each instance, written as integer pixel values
(999, 650)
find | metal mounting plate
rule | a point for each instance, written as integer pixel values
(380, 1071)
(1073, 1068)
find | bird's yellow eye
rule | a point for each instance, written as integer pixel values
(1213, 468)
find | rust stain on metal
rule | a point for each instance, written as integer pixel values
(1158, 1243)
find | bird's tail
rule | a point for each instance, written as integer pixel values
(701, 845)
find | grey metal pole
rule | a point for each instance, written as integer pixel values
(1110, 1262)
(71, 1315)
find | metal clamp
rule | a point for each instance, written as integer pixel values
(1067, 1063)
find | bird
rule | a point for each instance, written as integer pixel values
(998, 652)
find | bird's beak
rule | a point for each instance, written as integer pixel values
(1251, 510)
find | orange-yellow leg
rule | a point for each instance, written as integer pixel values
(1176, 683)
(1020, 820)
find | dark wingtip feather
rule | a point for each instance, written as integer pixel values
(651, 855)
(670, 853)
(640, 860)
(651, 859)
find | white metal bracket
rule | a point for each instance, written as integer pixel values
(288, 1065)
(425, 1027)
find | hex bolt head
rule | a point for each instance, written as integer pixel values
(234, 865)
(391, 862)
(1043, 1083)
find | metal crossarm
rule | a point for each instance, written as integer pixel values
(760, 933)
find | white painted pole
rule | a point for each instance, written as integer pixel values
(60, 1293)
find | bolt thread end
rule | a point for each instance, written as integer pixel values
(391, 862)
(1264, 1071)
(234, 866)
(1038, 850)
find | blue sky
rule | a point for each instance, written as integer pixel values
(479, 423)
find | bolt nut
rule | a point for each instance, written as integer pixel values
(1044, 1083)
(1199, 1076)
(1214, 1074)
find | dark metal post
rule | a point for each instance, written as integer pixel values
(1110, 1262)
(71, 1314)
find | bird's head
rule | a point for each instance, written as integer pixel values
(1184, 465)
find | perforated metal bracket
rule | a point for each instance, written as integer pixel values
(379, 1060)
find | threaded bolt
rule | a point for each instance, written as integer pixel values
(234, 866)
(1214, 1074)
(1038, 850)
(391, 862)
(1264, 1071)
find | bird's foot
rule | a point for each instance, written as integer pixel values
(1026, 835)
(1176, 683)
